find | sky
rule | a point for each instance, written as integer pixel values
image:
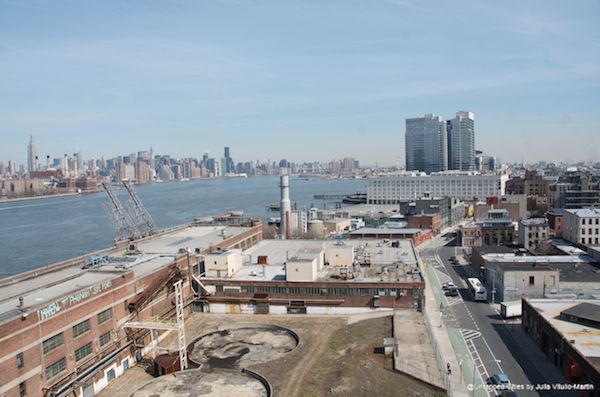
(301, 80)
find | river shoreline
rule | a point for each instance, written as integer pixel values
(46, 196)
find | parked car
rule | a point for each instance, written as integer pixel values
(501, 381)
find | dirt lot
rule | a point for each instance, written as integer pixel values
(332, 358)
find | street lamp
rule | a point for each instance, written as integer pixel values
(483, 362)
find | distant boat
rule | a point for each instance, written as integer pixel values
(240, 175)
(358, 198)
(274, 207)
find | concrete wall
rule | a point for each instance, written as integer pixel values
(223, 264)
(337, 226)
(511, 285)
(340, 256)
(297, 269)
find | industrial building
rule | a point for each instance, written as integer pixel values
(460, 185)
(514, 276)
(313, 276)
(63, 328)
(567, 332)
(416, 236)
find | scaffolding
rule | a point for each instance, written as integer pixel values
(179, 325)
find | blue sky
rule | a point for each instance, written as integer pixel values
(303, 80)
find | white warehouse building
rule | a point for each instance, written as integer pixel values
(582, 226)
(409, 186)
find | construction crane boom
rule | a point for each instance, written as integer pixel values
(119, 217)
(141, 214)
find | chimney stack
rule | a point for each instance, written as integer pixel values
(285, 209)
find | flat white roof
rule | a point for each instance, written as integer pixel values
(585, 212)
(381, 255)
(192, 237)
(512, 258)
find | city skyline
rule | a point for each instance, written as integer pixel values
(297, 81)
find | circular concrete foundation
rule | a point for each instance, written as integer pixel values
(240, 346)
(195, 382)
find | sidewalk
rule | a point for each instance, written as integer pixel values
(413, 353)
(441, 340)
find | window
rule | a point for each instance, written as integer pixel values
(22, 389)
(83, 351)
(53, 342)
(531, 280)
(110, 374)
(104, 338)
(56, 368)
(105, 315)
(81, 328)
(20, 359)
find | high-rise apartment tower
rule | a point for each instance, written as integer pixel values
(426, 144)
(461, 142)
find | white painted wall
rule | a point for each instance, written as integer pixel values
(342, 255)
(301, 269)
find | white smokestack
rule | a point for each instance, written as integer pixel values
(285, 207)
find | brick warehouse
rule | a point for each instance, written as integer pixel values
(61, 327)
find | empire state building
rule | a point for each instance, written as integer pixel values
(31, 155)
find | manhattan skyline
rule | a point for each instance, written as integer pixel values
(302, 81)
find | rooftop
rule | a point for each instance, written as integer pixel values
(44, 290)
(585, 212)
(583, 338)
(493, 249)
(388, 264)
(585, 310)
(368, 209)
(567, 247)
(580, 269)
(534, 222)
(376, 230)
(193, 237)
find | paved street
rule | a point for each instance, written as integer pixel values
(493, 344)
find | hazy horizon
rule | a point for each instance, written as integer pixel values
(305, 81)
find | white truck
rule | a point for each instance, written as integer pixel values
(510, 309)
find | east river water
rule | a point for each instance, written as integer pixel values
(35, 233)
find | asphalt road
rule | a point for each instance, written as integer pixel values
(495, 345)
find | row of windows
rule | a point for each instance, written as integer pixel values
(590, 231)
(57, 367)
(595, 240)
(325, 291)
(78, 330)
(590, 221)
